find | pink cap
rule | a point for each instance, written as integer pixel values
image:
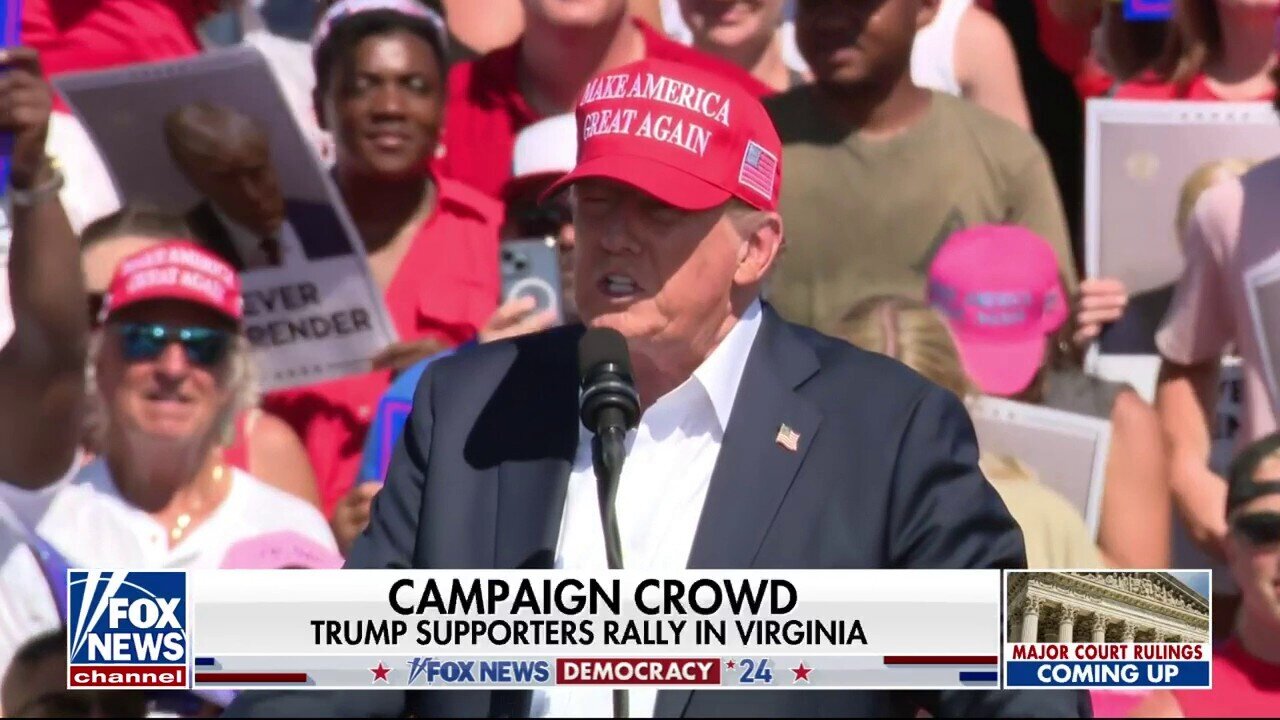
(999, 288)
(176, 270)
(688, 137)
(283, 549)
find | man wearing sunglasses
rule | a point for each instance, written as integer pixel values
(169, 373)
(1246, 668)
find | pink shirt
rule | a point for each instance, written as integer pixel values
(1243, 686)
(1210, 309)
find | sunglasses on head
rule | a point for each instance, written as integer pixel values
(543, 220)
(1259, 528)
(146, 341)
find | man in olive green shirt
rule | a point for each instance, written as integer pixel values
(879, 171)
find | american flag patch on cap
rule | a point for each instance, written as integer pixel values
(759, 169)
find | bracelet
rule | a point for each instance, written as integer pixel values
(36, 195)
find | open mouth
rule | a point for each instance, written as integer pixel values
(618, 286)
(161, 397)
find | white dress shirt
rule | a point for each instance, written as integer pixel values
(248, 244)
(664, 482)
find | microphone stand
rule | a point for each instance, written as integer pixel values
(608, 450)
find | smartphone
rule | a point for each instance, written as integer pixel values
(531, 266)
(10, 36)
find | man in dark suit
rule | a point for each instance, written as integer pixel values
(762, 444)
(245, 217)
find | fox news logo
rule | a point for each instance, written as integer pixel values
(481, 672)
(127, 629)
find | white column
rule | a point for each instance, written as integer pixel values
(1066, 626)
(1127, 631)
(1099, 628)
(1031, 620)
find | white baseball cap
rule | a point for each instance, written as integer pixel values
(546, 149)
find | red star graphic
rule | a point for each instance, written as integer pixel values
(380, 672)
(802, 673)
(730, 665)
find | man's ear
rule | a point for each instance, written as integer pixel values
(927, 11)
(762, 241)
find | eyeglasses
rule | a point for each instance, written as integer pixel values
(1259, 528)
(141, 342)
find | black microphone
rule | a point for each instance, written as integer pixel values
(609, 408)
(609, 400)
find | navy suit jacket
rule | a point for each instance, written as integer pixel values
(885, 476)
(317, 225)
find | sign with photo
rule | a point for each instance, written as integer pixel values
(1146, 164)
(211, 138)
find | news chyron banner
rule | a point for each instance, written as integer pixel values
(372, 629)
(1107, 629)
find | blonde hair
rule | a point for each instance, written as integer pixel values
(910, 332)
(1200, 180)
(241, 381)
(914, 334)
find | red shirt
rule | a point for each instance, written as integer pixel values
(445, 288)
(1065, 45)
(1092, 80)
(94, 34)
(485, 108)
(1150, 87)
(1243, 686)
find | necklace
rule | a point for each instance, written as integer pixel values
(183, 521)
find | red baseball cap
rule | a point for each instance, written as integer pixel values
(175, 270)
(1000, 289)
(689, 138)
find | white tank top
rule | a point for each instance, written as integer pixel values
(933, 57)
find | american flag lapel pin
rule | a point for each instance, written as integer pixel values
(788, 438)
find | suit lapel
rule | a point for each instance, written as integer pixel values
(530, 505)
(533, 474)
(533, 478)
(206, 226)
(754, 471)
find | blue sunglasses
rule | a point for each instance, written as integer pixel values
(141, 342)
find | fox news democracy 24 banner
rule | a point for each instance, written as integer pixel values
(371, 629)
(362, 629)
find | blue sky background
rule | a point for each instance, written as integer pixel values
(1196, 580)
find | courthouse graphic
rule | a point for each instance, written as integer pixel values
(1144, 607)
